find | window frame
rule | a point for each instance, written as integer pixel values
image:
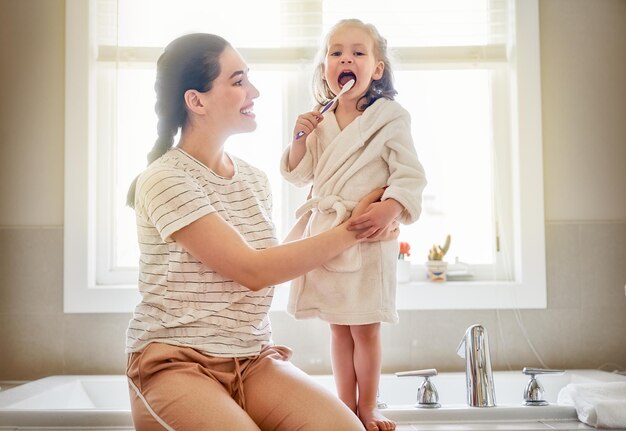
(83, 293)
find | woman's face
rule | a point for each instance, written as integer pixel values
(351, 55)
(229, 103)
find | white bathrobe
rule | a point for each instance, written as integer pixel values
(374, 150)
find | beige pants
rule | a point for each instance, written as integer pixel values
(179, 388)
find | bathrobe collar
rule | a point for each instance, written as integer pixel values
(339, 145)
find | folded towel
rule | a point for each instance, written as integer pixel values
(601, 405)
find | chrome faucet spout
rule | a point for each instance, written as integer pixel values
(474, 347)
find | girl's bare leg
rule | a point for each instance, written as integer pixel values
(342, 353)
(367, 365)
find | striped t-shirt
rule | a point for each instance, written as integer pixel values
(185, 302)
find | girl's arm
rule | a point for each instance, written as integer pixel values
(305, 123)
(406, 180)
(218, 245)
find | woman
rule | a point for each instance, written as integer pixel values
(199, 343)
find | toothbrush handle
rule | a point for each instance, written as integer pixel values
(327, 106)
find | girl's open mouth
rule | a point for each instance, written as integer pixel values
(344, 77)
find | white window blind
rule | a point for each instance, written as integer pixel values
(467, 29)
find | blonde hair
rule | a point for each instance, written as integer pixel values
(382, 87)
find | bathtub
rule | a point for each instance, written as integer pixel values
(102, 401)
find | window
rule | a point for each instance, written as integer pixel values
(468, 71)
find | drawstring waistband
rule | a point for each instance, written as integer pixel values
(238, 394)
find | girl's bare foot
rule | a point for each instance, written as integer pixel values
(375, 421)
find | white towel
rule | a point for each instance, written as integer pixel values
(601, 405)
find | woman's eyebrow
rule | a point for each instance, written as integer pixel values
(236, 73)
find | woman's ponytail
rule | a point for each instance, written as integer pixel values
(161, 146)
(166, 129)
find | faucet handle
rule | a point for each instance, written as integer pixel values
(427, 395)
(529, 371)
(428, 372)
(533, 392)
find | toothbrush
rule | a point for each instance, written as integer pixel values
(326, 107)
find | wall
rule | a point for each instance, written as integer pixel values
(583, 56)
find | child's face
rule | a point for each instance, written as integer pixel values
(351, 55)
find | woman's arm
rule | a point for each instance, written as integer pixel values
(218, 245)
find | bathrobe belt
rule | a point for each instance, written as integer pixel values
(328, 205)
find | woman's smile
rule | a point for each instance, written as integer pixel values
(249, 111)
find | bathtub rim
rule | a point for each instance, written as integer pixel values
(403, 414)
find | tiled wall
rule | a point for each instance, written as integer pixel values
(584, 325)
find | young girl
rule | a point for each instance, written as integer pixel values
(364, 142)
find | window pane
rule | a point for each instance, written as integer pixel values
(134, 137)
(451, 113)
(451, 127)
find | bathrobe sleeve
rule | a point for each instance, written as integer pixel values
(406, 175)
(302, 174)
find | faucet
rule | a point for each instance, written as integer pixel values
(474, 347)
(533, 392)
(427, 395)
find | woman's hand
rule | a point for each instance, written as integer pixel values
(370, 198)
(389, 233)
(377, 217)
(361, 208)
(370, 232)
